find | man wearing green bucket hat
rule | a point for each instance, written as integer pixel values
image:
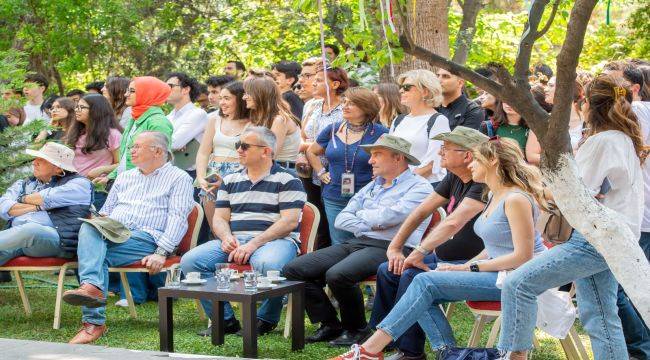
(43, 210)
(144, 219)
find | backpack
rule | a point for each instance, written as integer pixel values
(430, 122)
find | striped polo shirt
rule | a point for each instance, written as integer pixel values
(254, 207)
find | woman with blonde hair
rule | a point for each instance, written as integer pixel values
(267, 109)
(420, 91)
(609, 162)
(507, 228)
(389, 102)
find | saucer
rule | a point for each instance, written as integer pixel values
(277, 279)
(269, 286)
(193, 282)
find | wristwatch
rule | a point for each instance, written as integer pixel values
(473, 267)
(321, 172)
(162, 252)
(422, 250)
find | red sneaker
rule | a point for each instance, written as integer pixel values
(357, 352)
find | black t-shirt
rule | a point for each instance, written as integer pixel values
(463, 111)
(295, 103)
(465, 244)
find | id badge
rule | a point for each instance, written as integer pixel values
(347, 184)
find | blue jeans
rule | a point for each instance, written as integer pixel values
(96, 255)
(420, 303)
(332, 210)
(271, 256)
(575, 260)
(391, 288)
(637, 335)
(31, 240)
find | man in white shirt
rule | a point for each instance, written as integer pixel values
(34, 88)
(189, 120)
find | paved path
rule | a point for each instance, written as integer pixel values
(40, 350)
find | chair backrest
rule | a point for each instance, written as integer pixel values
(436, 219)
(308, 227)
(194, 221)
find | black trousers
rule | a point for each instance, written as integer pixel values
(341, 267)
(314, 196)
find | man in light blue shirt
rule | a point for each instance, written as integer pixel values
(42, 210)
(373, 215)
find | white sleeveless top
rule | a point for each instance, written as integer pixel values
(290, 147)
(222, 144)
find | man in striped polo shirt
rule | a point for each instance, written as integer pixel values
(256, 220)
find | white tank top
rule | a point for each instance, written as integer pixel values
(290, 147)
(222, 144)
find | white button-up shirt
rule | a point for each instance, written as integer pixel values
(189, 123)
(158, 203)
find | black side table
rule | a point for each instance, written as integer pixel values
(248, 299)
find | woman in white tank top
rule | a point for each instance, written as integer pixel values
(267, 108)
(217, 154)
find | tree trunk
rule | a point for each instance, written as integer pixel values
(430, 30)
(467, 30)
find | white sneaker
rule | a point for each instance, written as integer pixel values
(122, 303)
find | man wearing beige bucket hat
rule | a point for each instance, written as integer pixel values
(43, 210)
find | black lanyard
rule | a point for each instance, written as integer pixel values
(345, 147)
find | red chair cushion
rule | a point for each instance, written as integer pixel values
(169, 262)
(306, 222)
(26, 261)
(485, 305)
(186, 241)
(240, 268)
(371, 278)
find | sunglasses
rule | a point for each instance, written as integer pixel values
(406, 87)
(244, 146)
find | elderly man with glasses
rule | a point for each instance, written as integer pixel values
(256, 221)
(148, 208)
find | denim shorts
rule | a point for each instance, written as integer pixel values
(222, 169)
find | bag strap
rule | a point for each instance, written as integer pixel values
(398, 120)
(432, 121)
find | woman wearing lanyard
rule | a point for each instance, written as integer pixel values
(348, 169)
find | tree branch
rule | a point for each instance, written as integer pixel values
(522, 63)
(549, 22)
(467, 29)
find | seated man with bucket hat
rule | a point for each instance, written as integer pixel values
(43, 210)
(373, 215)
(144, 219)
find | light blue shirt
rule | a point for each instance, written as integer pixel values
(157, 203)
(74, 192)
(377, 211)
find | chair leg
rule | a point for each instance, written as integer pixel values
(288, 318)
(450, 309)
(477, 330)
(575, 345)
(59, 297)
(128, 295)
(23, 293)
(494, 333)
(199, 308)
(536, 344)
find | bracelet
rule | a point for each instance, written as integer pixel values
(422, 250)
(321, 172)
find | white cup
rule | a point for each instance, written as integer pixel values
(273, 274)
(263, 281)
(193, 276)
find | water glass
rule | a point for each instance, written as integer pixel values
(174, 275)
(250, 280)
(223, 280)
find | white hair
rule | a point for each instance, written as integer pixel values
(424, 79)
(161, 141)
(263, 134)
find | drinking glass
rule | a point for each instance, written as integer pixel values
(250, 280)
(223, 280)
(174, 277)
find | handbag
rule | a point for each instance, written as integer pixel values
(553, 225)
(454, 353)
(303, 167)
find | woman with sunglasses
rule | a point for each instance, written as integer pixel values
(347, 169)
(95, 138)
(217, 155)
(268, 109)
(507, 228)
(420, 91)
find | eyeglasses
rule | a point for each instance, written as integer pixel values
(173, 85)
(81, 107)
(138, 147)
(130, 91)
(443, 149)
(306, 75)
(406, 87)
(244, 146)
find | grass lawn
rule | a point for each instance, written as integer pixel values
(143, 333)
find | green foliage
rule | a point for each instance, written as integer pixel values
(14, 162)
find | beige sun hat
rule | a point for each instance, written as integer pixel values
(56, 154)
(396, 144)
